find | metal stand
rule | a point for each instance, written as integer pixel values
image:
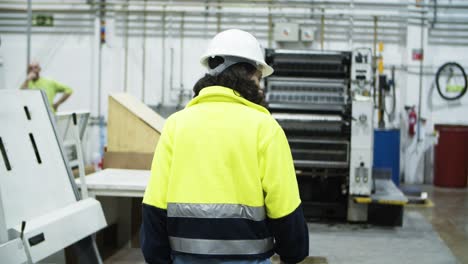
(77, 123)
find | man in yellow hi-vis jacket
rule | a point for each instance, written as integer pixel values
(223, 187)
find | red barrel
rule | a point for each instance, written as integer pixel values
(451, 156)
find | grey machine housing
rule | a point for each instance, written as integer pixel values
(322, 101)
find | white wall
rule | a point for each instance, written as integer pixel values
(73, 60)
(441, 111)
(433, 107)
(65, 58)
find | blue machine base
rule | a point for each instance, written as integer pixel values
(387, 152)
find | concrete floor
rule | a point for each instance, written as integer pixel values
(449, 217)
(436, 234)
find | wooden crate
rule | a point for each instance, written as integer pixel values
(133, 130)
(128, 160)
(132, 126)
(309, 260)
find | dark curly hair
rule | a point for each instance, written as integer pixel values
(238, 77)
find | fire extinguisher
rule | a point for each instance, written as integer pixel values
(412, 119)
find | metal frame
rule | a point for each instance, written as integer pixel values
(77, 123)
(83, 117)
(62, 150)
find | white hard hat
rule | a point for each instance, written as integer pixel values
(237, 43)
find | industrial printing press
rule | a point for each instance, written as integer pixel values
(322, 101)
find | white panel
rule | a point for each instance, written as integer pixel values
(362, 138)
(30, 189)
(2, 74)
(64, 227)
(13, 252)
(307, 34)
(286, 32)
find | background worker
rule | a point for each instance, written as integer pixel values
(223, 187)
(50, 87)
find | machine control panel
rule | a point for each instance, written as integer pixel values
(360, 181)
(361, 70)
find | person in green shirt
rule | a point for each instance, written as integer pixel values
(51, 88)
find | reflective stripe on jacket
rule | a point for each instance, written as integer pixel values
(223, 184)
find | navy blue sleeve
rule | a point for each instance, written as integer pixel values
(291, 236)
(153, 235)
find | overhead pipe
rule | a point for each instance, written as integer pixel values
(445, 43)
(301, 22)
(270, 28)
(51, 10)
(92, 64)
(420, 79)
(126, 52)
(38, 29)
(101, 17)
(332, 28)
(329, 17)
(434, 21)
(182, 25)
(264, 36)
(218, 19)
(225, 13)
(278, 15)
(172, 87)
(205, 19)
(163, 52)
(171, 72)
(56, 19)
(171, 54)
(328, 29)
(303, 4)
(200, 29)
(101, 30)
(438, 35)
(351, 25)
(322, 30)
(236, 14)
(143, 59)
(374, 62)
(55, 32)
(268, 3)
(138, 30)
(28, 34)
(391, 18)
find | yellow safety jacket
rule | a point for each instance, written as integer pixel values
(221, 171)
(50, 87)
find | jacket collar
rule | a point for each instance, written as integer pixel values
(223, 94)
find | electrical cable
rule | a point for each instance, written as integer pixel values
(392, 88)
(450, 68)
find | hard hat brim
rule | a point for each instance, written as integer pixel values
(267, 70)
